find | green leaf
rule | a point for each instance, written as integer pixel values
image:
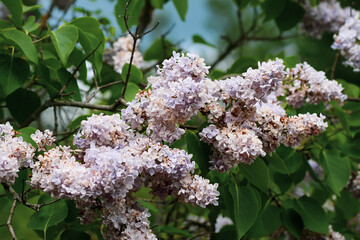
(30, 8)
(133, 11)
(64, 40)
(312, 214)
(14, 72)
(74, 235)
(241, 65)
(30, 24)
(277, 163)
(48, 216)
(347, 205)
(337, 169)
(272, 8)
(293, 222)
(157, 3)
(216, 74)
(199, 39)
(22, 103)
(16, 10)
(257, 173)
(160, 49)
(22, 41)
(290, 16)
(343, 117)
(195, 147)
(291, 61)
(246, 207)
(268, 221)
(131, 90)
(136, 74)
(26, 135)
(90, 36)
(150, 206)
(181, 7)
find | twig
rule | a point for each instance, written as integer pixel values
(333, 69)
(56, 124)
(8, 223)
(76, 70)
(68, 134)
(353, 99)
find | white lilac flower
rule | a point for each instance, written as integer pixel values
(43, 139)
(306, 85)
(59, 174)
(301, 127)
(347, 41)
(232, 146)
(14, 153)
(196, 190)
(327, 16)
(222, 222)
(120, 53)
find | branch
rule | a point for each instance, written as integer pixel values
(8, 223)
(337, 57)
(353, 99)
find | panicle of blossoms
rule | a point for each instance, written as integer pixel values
(269, 117)
(43, 139)
(121, 51)
(327, 16)
(181, 66)
(123, 212)
(234, 145)
(306, 85)
(14, 153)
(178, 92)
(264, 80)
(301, 127)
(347, 41)
(58, 173)
(222, 222)
(196, 190)
(103, 130)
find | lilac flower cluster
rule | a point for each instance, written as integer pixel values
(113, 162)
(347, 41)
(14, 153)
(120, 53)
(178, 92)
(248, 120)
(327, 16)
(304, 84)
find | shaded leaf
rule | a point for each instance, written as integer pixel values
(29, 100)
(181, 7)
(14, 72)
(257, 173)
(16, 10)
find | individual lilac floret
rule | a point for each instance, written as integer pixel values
(232, 146)
(347, 41)
(14, 153)
(306, 85)
(120, 53)
(43, 139)
(327, 16)
(301, 127)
